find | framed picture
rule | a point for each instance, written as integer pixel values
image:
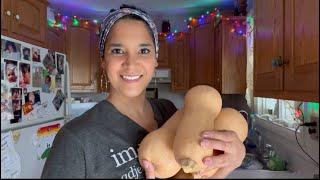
(24, 74)
(36, 54)
(2, 71)
(26, 53)
(11, 71)
(60, 62)
(10, 50)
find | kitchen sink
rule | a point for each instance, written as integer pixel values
(254, 166)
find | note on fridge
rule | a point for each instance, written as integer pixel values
(10, 160)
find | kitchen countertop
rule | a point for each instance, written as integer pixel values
(77, 109)
(263, 174)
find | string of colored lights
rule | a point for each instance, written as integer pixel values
(239, 27)
(61, 21)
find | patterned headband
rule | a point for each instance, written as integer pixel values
(114, 16)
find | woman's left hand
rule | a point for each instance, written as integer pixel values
(228, 142)
(148, 169)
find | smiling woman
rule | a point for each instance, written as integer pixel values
(102, 142)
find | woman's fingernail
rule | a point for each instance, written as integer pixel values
(204, 176)
(206, 134)
(207, 161)
(145, 164)
(204, 143)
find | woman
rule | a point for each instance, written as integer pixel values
(103, 142)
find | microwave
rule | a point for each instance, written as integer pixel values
(152, 92)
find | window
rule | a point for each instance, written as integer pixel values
(284, 112)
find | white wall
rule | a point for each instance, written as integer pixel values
(165, 92)
(176, 22)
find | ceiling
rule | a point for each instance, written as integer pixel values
(96, 9)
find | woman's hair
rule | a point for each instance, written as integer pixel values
(135, 17)
(12, 44)
(127, 12)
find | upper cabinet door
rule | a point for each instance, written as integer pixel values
(79, 55)
(179, 58)
(268, 45)
(55, 40)
(163, 59)
(302, 48)
(6, 14)
(29, 18)
(202, 67)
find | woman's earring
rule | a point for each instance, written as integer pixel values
(106, 80)
(103, 81)
(155, 78)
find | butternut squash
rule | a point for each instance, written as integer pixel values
(202, 104)
(231, 119)
(182, 175)
(156, 147)
(208, 173)
(177, 143)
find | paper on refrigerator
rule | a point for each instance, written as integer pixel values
(10, 160)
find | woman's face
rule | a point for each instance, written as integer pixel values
(129, 57)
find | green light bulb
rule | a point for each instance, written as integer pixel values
(75, 22)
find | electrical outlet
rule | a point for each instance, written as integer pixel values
(314, 130)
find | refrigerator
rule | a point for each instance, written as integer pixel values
(35, 96)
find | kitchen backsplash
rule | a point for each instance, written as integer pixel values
(88, 97)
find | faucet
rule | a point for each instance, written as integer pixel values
(243, 111)
(260, 142)
(247, 118)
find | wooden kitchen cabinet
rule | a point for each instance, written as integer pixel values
(201, 52)
(163, 57)
(179, 53)
(301, 49)
(82, 53)
(24, 20)
(286, 55)
(5, 16)
(230, 58)
(56, 39)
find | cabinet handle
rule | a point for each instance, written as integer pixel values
(17, 17)
(8, 13)
(278, 62)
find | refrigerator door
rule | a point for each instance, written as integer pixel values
(26, 143)
(32, 145)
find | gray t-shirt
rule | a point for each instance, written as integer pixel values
(101, 143)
